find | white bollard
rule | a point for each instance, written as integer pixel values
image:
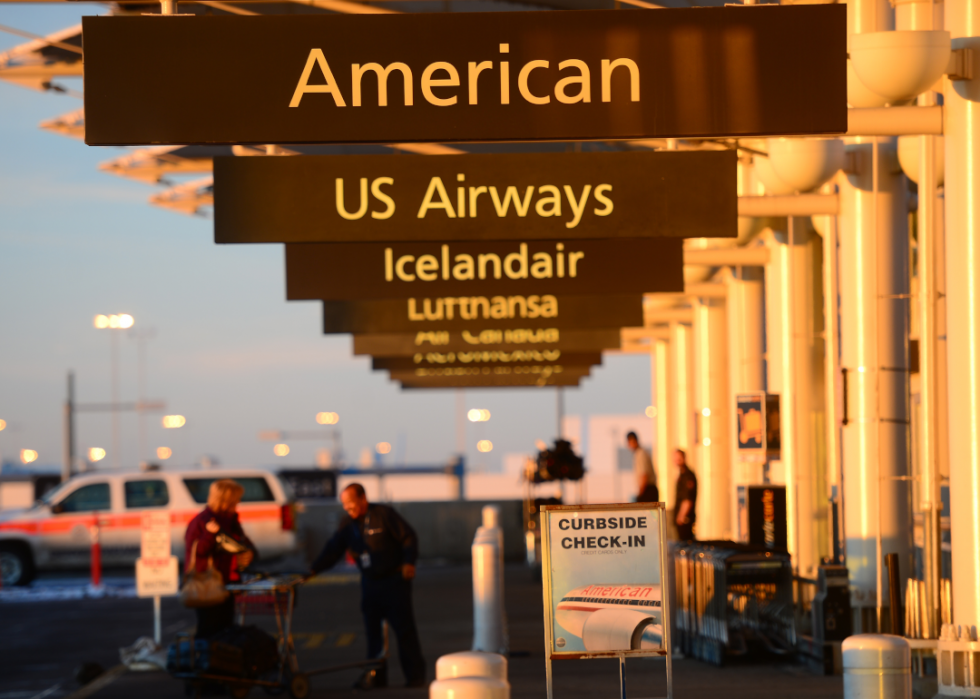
(491, 516)
(470, 663)
(877, 666)
(469, 688)
(489, 619)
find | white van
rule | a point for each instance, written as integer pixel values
(55, 532)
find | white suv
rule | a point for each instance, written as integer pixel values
(55, 532)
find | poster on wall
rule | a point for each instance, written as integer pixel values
(604, 591)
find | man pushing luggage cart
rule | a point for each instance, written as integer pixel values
(385, 548)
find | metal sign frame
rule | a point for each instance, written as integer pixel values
(666, 609)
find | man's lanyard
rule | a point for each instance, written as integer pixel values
(366, 553)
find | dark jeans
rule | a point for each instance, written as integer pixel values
(649, 494)
(391, 599)
(685, 532)
(211, 620)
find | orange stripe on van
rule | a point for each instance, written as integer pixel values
(64, 524)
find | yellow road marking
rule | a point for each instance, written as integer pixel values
(334, 579)
(344, 640)
(310, 640)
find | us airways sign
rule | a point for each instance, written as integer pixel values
(363, 198)
(498, 76)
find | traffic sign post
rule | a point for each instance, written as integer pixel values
(156, 569)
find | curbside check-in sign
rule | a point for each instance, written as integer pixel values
(500, 76)
(507, 196)
(605, 581)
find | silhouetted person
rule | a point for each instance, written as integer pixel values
(646, 476)
(685, 498)
(385, 548)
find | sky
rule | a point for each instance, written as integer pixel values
(226, 350)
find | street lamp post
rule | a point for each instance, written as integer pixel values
(120, 321)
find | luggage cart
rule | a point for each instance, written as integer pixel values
(276, 596)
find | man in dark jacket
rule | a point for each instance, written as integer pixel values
(385, 548)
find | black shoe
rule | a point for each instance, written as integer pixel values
(415, 684)
(374, 678)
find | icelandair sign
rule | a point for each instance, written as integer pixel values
(579, 75)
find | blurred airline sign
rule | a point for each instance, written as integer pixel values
(443, 313)
(497, 76)
(758, 423)
(504, 196)
(506, 340)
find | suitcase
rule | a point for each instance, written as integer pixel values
(188, 657)
(260, 651)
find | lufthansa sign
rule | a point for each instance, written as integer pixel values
(500, 76)
(369, 198)
(444, 313)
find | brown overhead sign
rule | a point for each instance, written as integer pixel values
(438, 313)
(462, 76)
(547, 376)
(506, 196)
(508, 340)
(485, 360)
(477, 280)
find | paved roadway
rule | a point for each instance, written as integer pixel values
(42, 642)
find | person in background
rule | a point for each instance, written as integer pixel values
(218, 535)
(384, 547)
(685, 498)
(646, 476)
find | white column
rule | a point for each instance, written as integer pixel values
(874, 288)
(962, 107)
(828, 228)
(794, 360)
(712, 412)
(746, 367)
(660, 357)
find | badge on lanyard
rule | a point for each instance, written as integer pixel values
(366, 555)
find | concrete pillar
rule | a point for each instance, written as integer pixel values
(962, 107)
(828, 229)
(874, 287)
(745, 305)
(662, 420)
(712, 412)
(794, 361)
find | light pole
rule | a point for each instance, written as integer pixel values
(141, 335)
(174, 422)
(120, 321)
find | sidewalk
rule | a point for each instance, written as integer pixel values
(42, 644)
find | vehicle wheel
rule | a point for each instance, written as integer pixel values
(16, 564)
(239, 691)
(299, 686)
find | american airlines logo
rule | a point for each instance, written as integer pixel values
(443, 84)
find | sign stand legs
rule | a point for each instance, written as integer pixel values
(156, 619)
(547, 672)
(622, 677)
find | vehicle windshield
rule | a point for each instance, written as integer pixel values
(50, 496)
